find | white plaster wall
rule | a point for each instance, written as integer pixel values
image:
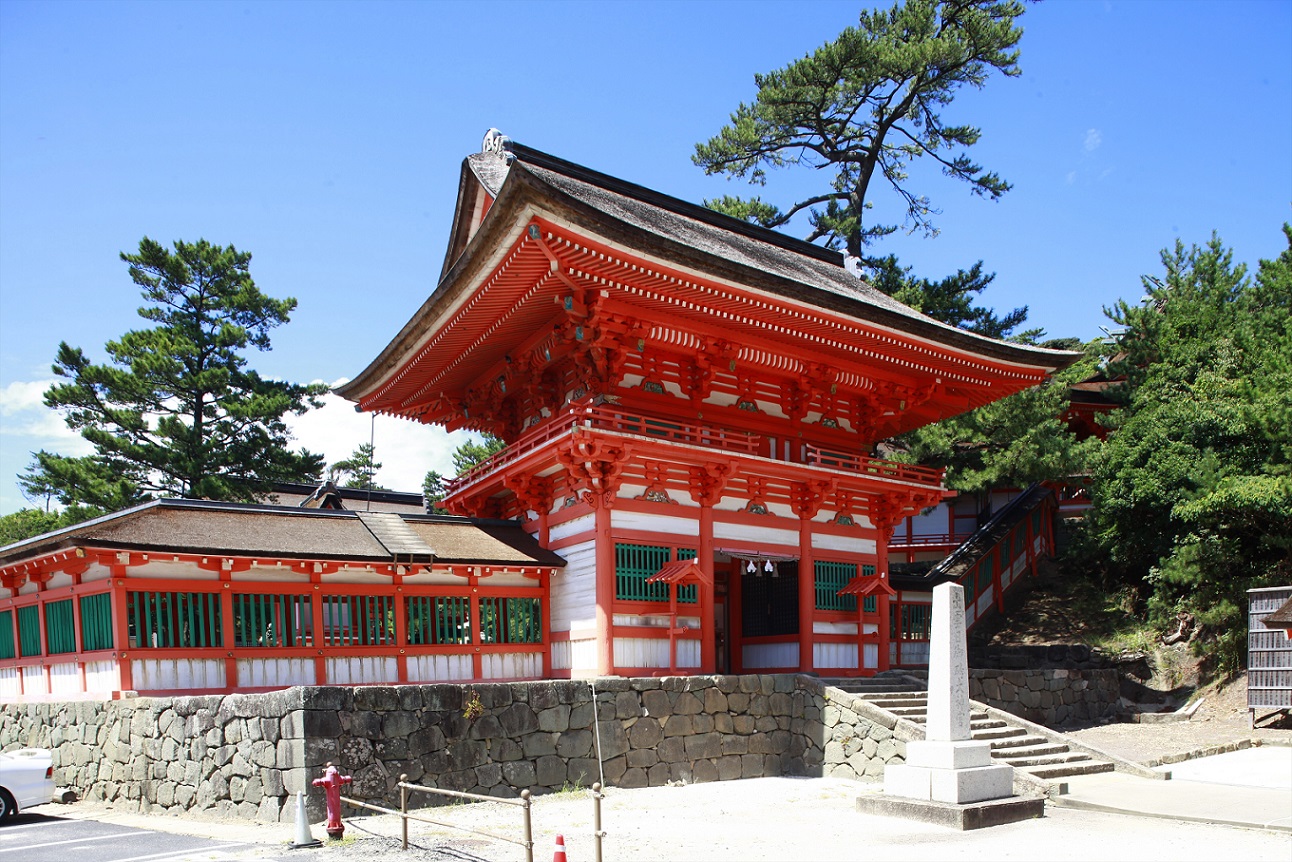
(913, 652)
(770, 655)
(10, 683)
(672, 525)
(825, 656)
(749, 537)
(573, 594)
(560, 655)
(583, 657)
(355, 670)
(870, 655)
(33, 680)
(834, 628)
(511, 665)
(65, 678)
(576, 527)
(438, 668)
(653, 652)
(102, 676)
(279, 672)
(933, 524)
(163, 674)
(158, 568)
(847, 544)
(657, 620)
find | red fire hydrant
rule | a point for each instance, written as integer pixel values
(331, 783)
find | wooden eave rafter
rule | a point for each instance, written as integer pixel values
(681, 573)
(516, 299)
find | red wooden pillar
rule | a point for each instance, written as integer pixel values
(401, 633)
(882, 662)
(1031, 545)
(77, 641)
(735, 619)
(708, 642)
(316, 639)
(121, 628)
(227, 635)
(997, 581)
(545, 610)
(477, 660)
(807, 593)
(605, 581)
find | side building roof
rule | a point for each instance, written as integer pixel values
(278, 532)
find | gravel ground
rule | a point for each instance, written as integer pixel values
(1222, 721)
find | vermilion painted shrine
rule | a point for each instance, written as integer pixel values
(689, 403)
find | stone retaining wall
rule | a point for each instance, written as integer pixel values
(247, 755)
(1049, 697)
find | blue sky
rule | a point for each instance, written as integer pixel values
(326, 139)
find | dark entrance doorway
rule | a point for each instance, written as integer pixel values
(769, 601)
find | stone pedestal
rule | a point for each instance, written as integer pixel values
(948, 767)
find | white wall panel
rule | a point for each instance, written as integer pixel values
(102, 676)
(826, 656)
(171, 674)
(681, 526)
(870, 656)
(275, 672)
(10, 684)
(511, 665)
(33, 680)
(438, 668)
(653, 652)
(834, 628)
(574, 589)
(747, 537)
(65, 678)
(847, 544)
(770, 655)
(584, 524)
(356, 670)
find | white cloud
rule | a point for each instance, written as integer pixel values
(23, 395)
(1071, 177)
(1093, 140)
(405, 449)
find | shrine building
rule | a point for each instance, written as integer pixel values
(690, 404)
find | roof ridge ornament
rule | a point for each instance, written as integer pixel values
(499, 144)
(851, 262)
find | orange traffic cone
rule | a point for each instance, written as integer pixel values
(559, 856)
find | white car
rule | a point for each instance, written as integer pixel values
(26, 779)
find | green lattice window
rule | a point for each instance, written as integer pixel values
(986, 570)
(871, 605)
(174, 620)
(60, 628)
(916, 622)
(830, 578)
(358, 620)
(1036, 522)
(96, 622)
(439, 620)
(272, 620)
(29, 630)
(7, 646)
(514, 620)
(635, 563)
(968, 583)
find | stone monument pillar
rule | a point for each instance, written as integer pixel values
(948, 766)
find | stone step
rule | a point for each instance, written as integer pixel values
(1064, 756)
(887, 700)
(908, 712)
(985, 723)
(1014, 743)
(1087, 767)
(999, 733)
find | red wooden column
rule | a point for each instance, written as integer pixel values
(316, 622)
(807, 500)
(545, 612)
(477, 660)
(706, 489)
(885, 513)
(997, 578)
(121, 628)
(605, 580)
(228, 635)
(735, 620)
(401, 631)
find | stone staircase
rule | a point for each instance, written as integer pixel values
(1013, 741)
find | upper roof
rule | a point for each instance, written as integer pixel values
(278, 532)
(498, 189)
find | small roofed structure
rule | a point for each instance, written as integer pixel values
(1269, 651)
(181, 596)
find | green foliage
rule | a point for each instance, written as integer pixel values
(471, 453)
(466, 456)
(357, 470)
(1009, 443)
(177, 411)
(866, 106)
(1193, 491)
(950, 299)
(29, 523)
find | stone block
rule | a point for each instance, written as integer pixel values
(751, 766)
(519, 773)
(539, 744)
(687, 704)
(634, 777)
(646, 733)
(399, 724)
(672, 750)
(614, 769)
(658, 775)
(728, 768)
(948, 755)
(657, 704)
(556, 718)
(614, 740)
(574, 743)
(584, 771)
(678, 725)
(487, 726)
(642, 758)
(550, 771)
